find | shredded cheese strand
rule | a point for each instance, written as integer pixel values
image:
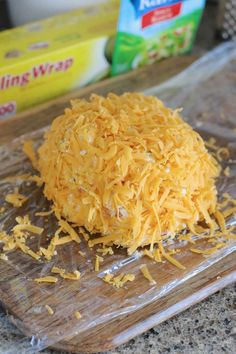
(16, 199)
(49, 309)
(173, 261)
(47, 279)
(119, 280)
(44, 213)
(146, 274)
(78, 315)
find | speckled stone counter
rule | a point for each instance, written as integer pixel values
(206, 328)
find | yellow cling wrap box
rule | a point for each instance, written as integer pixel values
(51, 57)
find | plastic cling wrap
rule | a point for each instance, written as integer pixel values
(207, 92)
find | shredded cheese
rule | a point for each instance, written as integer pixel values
(49, 309)
(3, 257)
(211, 143)
(146, 274)
(97, 263)
(84, 233)
(67, 228)
(31, 228)
(129, 168)
(230, 236)
(78, 315)
(38, 180)
(227, 171)
(119, 280)
(222, 153)
(173, 261)
(221, 220)
(83, 254)
(47, 279)
(63, 240)
(148, 253)
(106, 250)
(229, 212)
(157, 255)
(187, 237)
(71, 276)
(57, 270)
(209, 250)
(18, 236)
(16, 199)
(44, 213)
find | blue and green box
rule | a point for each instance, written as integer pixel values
(151, 30)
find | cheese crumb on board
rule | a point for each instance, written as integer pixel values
(18, 236)
(83, 254)
(68, 228)
(78, 315)
(122, 189)
(105, 251)
(118, 281)
(221, 220)
(226, 196)
(173, 261)
(222, 153)
(43, 213)
(3, 257)
(228, 212)
(146, 274)
(157, 255)
(227, 171)
(98, 260)
(209, 250)
(16, 199)
(46, 279)
(38, 180)
(211, 143)
(27, 227)
(187, 237)
(84, 233)
(49, 309)
(148, 253)
(70, 276)
(63, 240)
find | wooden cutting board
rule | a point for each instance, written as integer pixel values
(110, 316)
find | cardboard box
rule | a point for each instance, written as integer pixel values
(48, 58)
(151, 30)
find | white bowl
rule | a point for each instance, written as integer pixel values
(24, 11)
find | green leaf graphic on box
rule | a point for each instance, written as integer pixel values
(126, 49)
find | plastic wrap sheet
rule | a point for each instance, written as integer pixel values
(207, 91)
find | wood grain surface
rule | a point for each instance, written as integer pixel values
(119, 331)
(110, 316)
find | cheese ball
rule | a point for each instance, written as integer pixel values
(128, 168)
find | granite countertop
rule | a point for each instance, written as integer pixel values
(208, 327)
